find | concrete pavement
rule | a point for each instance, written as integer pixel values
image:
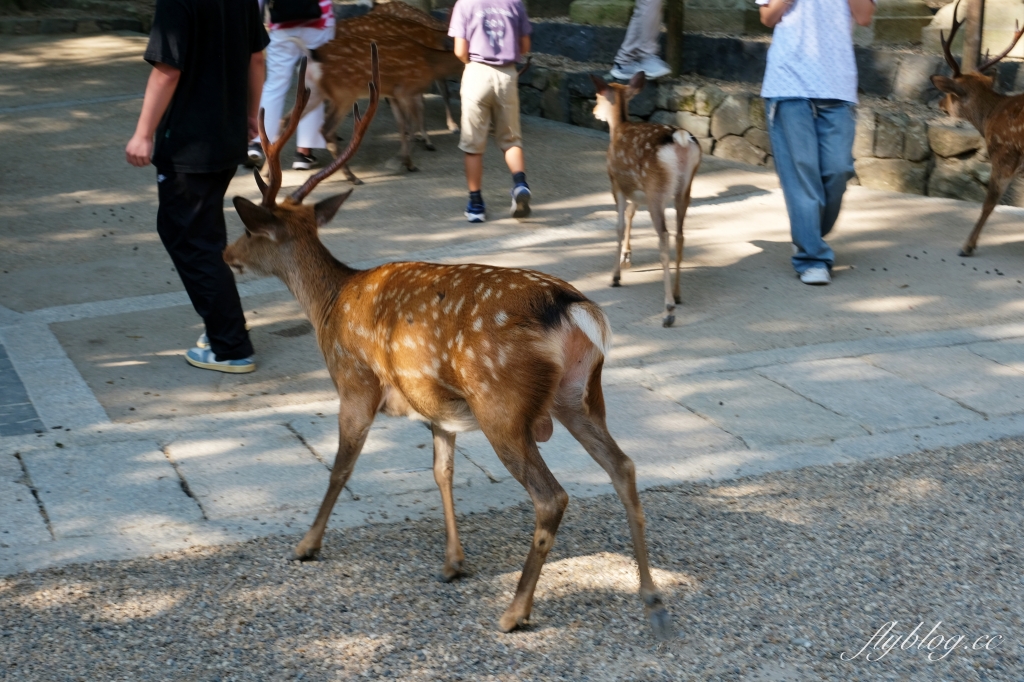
(111, 447)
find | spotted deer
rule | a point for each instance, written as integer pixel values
(461, 347)
(339, 70)
(999, 118)
(651, 160)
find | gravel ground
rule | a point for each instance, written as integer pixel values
(768, 578)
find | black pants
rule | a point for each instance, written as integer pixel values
(190, 222)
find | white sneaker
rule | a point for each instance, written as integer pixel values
(203, 341)
(623, 72)
(654, 67)
(204, 358)
(817, 275)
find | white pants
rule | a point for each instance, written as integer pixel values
(642, 34)
(282, 57)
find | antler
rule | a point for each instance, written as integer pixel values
(989, 63)
(273, 151)
(946, 44)
(359, 129)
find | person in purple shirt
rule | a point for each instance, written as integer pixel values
(490, 36)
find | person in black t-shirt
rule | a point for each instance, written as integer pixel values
(201, 105)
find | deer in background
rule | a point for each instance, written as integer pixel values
(999, 119)
(339, 70)
(655, 161)
(461, 347)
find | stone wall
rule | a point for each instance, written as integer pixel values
(893, 150)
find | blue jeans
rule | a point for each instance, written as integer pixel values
(812, 141)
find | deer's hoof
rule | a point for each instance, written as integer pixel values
(661, 623)
(429, 146)
(510, 621)
(677, 298)
(412, 168)
(627, 260)
(355, 181)
(966, 252)
(615, 282)
(450, 572)
(312, 554)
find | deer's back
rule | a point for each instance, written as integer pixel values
(409, 13)
(648, 157)
(382, 27)
(1005, 128)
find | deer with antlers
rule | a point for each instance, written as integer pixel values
(649, 160)
(461, 347)
(999, 119)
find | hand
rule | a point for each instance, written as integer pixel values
(139, 151)
(254, 128)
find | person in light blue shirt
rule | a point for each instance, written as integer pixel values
(810, 89)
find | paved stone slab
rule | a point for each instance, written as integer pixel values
(121, 487)
(758, 410)
(261, 472)
(877, 400)
(1009, 352)
(957, 373)
(17, 414)
(20, 521)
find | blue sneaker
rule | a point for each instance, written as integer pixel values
(204, 358)
(520, 200)
(476, 213)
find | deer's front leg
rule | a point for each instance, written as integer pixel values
(354, 419)
(620, 230)
(626, 257)
(996, 186)
(444, 469)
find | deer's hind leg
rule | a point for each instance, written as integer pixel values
(582, 411)
(657, 211)
(625, 208)
(335, 114)
(510, 430)
(682, 202)
(444, 468)
(997, 184)
(354, 420)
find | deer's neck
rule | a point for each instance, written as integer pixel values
(315, 279)
(619, 116)
(981, 107)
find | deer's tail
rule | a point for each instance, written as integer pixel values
(588, 317)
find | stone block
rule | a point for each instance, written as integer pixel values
(601, 12)
(643, 104)
(707, 100)
(536, 77)
(953, 138)
(864, 137)
(698, 126)
(915, 141)
(758, 117)
(582, 114)
(663, 117)
(731, 117)
(736, 148)
(554, 102)
(876, 70)
(57, 26)
(707, 145)
(900, 21)
(529, 101)
(87, 27)
(676, 97)
(913, 78)
(894, 175)
(890, 129)
(953, 179)
(759, 138)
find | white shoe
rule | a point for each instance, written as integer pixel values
(817, 275)
(623, 72)
(654, 67)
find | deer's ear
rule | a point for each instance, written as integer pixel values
(637, 83)
(259, 220)
(948, 86)
(599, 83)
(326, 209)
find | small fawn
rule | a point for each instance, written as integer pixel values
(461, 347)
(1000, 120)
(649, 159)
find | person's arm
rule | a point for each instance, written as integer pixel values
(257, 74)
(524, 45)
(862, 11)
(771, 14)
(462, 50)
(163, 81)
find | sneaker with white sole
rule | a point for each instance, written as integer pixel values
(520, 200)
(817, 275)
(255, 154)
(204, 358)
(475, 213)
(654, 67)
(303, 161)
(623, 72)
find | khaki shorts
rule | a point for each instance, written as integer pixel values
(490, 95)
